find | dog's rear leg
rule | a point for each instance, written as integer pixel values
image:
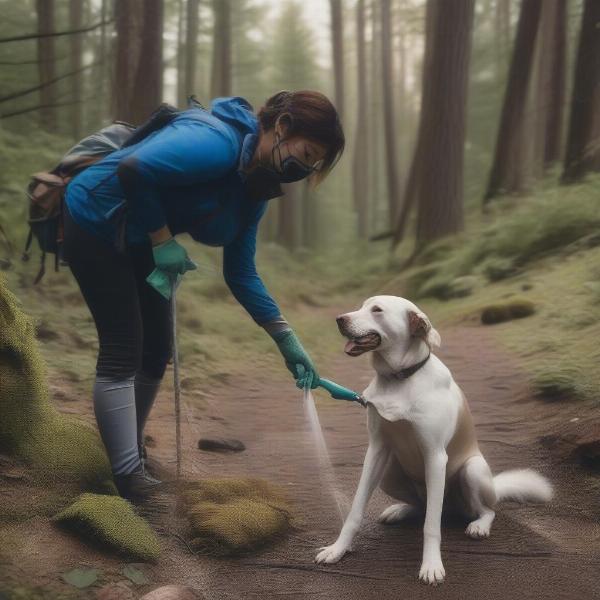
(396, 484)
(478, 489)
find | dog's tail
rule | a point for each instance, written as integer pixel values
(522, 485)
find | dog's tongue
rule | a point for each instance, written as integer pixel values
(350, 346)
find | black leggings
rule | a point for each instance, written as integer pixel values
(132, 318)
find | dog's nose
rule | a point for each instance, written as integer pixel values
(341, 320)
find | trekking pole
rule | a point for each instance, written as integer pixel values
(176, 385)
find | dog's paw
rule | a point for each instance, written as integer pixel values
(396, 513)
(432, 572)
(331, 554)
(478, 529)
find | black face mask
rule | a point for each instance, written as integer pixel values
(292, 169)
(262, 183)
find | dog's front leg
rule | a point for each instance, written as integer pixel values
(375, 461)
(432, 569)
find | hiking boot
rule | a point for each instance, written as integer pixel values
(152, 468)
(137, 486)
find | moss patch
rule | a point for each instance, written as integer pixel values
(111, 521)
(230, 516)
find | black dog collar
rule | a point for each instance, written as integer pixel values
(406, 373)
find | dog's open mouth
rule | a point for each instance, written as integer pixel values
(357, 345)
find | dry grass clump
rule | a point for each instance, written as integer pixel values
(230, 516)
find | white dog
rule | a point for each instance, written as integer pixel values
(422, 443)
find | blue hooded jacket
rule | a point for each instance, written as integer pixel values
(188, 176)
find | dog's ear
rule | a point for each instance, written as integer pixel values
(420, 326)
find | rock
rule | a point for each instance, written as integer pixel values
(173, 592)
(115, 591)
(587, 445)
(220, 445)
(515, 308)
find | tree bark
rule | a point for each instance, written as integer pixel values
(337, 38)
(583, 146)
(46, 63)
(507, 169)
(360, 171)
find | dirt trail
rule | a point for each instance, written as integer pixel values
(534, 551)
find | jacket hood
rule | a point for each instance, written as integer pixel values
(235, 111)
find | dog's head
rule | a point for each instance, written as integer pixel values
(384, 323)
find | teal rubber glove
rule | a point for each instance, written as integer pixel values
(297, 360)
(171, 261)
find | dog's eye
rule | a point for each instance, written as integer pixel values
(376, 309)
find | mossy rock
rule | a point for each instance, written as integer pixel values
(231, 516)
(557, 384)
(111, 521)
(58, 447)
(516, 308)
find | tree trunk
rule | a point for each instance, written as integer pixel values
(289, 216)
(128, 24)
(148, 81)
(76, 50)
(507, 169)
(45, 51)
(411, 188)
(221, 63)
(180, 62)
(374, 115)
(555, 113)
(583, 146)
(391, 160)
(191, 47)
(337, 38)
(502, 36)
(360, 171)
(550, 88)
(441, 174)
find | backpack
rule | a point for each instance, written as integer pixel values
(46, 189)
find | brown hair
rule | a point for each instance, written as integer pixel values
(312, 116)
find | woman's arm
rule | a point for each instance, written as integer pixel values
(239, 272)
(184, 153)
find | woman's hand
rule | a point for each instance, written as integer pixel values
(171, 257)
(171, 261)
(297, 359)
